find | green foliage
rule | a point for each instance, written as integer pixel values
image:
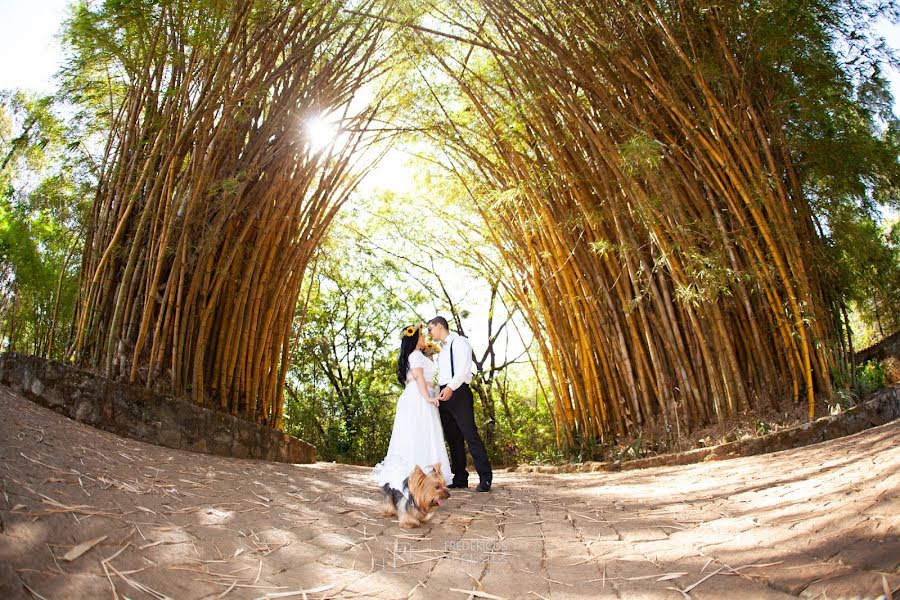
(841, 400)
(641, 152)
(44, 194)
(865, 259)
(870, 377)
(524, 431)
(379, 271)
(342, 388)
(826, 67)
(761, 426)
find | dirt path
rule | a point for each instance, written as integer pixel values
(821, 521)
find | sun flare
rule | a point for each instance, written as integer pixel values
(320, 132)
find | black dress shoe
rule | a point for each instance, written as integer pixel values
(457, 486)
(484, 486)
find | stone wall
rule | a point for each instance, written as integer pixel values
(889, 347)
(881, 407)
(141, 414)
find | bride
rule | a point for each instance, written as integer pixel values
(417, 437)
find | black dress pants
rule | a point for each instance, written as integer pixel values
(458, 422)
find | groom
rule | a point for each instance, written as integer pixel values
(456, 407)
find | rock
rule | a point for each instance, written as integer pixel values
(37, 387)
(87, 412)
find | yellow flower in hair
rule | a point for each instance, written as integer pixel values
(410, 331)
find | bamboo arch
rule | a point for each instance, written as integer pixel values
(647, 203)
(641, 189)
(211, 201)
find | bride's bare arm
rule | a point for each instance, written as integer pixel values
(419, 376)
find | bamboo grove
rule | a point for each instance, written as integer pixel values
(211, 201)
(644, 196)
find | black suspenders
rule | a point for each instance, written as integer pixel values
(452, 370)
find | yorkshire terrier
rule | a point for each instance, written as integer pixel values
(420, 497)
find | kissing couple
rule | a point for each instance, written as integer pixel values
(427, 416)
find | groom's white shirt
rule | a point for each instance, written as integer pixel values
(462, 361)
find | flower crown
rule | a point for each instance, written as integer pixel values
(411, 330)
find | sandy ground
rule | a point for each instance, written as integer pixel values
(85, 514)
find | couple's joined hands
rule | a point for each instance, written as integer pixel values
(443, 396)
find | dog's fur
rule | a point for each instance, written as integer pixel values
(420, 497)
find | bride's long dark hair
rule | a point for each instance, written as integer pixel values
(407, 346)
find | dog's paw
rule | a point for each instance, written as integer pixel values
(388, 512)
(427, 517)
(409, 523)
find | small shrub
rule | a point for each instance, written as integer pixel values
(870, 376)
(841, 400)
(761, 426)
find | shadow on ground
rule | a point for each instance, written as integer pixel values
(148, 522)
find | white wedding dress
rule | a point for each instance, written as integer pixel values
(417, 437)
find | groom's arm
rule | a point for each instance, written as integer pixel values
(462, 362)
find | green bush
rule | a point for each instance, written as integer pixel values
(870, 376)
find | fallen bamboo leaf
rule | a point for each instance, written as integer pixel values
(82, 548)
(109, 578)
(261, 497)
(226, 592)
(642, 577)
(683, 593)
(690, 587)
(478, 594)
(757, 565)
(669, 576)
(138, 585)
(271, 595)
